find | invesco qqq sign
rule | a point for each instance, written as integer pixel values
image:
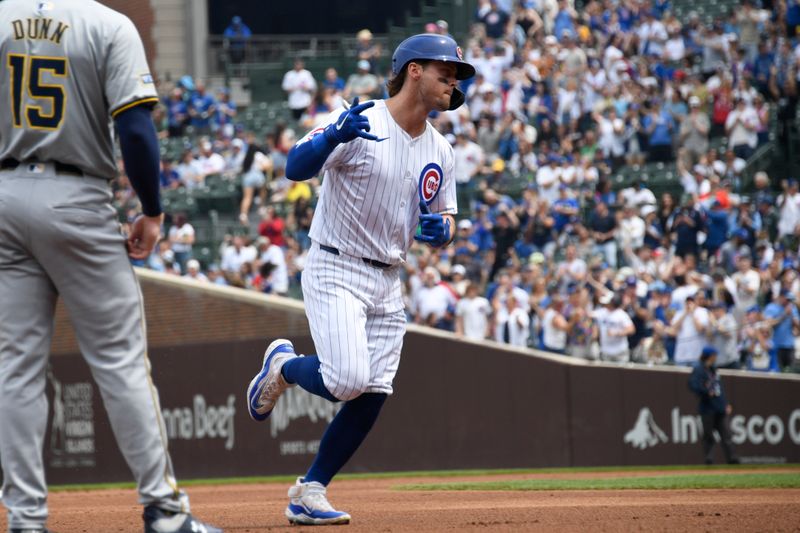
(687, 428)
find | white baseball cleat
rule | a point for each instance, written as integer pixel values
(268, 385)
(309, 506)
(160, 521)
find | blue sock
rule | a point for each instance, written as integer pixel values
(344, 435)
(305, 372)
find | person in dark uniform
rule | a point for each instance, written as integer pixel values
(714, 407)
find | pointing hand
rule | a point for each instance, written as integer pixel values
(351, 124)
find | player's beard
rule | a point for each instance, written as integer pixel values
(439, 102)
(434, 96)
(443, 103)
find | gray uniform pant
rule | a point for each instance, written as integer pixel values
(59, 237)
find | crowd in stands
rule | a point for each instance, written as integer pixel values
(550, 255)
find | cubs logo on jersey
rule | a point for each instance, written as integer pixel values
(430, 181)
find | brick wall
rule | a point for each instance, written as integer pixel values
(180, 315)
(142, 15)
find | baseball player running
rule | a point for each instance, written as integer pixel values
(386, 170)
(68, 66)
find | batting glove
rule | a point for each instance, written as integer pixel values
(351, 124)
(434, 228)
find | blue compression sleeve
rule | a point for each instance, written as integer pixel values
(140, 153)
(344, 436)
(305, 372)
(306, 159)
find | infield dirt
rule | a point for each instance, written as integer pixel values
(376, 507)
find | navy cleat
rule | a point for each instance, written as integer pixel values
(268, 385)
(160, 521)
(309, 506)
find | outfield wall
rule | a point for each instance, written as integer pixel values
(457, 404)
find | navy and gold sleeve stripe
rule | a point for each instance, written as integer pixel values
(149, 100)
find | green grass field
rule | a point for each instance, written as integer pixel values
(713, 479)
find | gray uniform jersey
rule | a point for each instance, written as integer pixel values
(68, 65)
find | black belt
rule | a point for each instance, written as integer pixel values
(371, 262)
(61, 168)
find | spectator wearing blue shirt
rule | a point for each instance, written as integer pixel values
(169, 177)
(658, 125)
(177, 113)
(565, 210)
(784, 317)
(563, 26)
(661, 314)
(693, 35)
(762, 67)
(626, 18)
(495, 20)
(717, 219)
(660, 7)
(333, 81)
(237, 35)
(482, 229)
(605, 193)
(464, 243)
(202, 108)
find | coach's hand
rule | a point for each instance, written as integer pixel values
(351, 124)
(145, 232)
(434, 228)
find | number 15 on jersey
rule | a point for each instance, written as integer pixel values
(47, 112)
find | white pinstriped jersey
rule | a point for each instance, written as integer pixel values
(369, 203)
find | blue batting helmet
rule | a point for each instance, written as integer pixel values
(434, 47)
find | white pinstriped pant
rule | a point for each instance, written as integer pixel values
(356, 316)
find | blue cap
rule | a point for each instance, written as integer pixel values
(707, 352)
(659, 287)
(741, 233)
(754, 309)
(572, 287)
(786, 293)
(187, 82)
